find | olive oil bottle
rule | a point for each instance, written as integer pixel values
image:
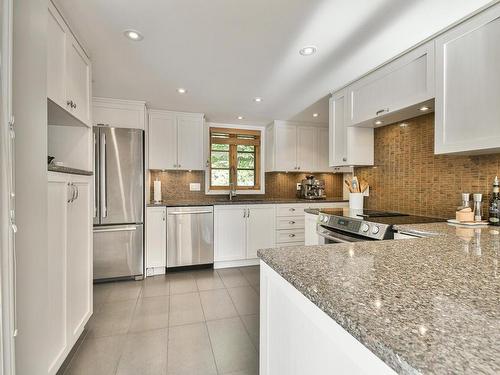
(494, 210)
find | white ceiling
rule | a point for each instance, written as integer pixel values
(226, 52)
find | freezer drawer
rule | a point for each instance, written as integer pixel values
(118, 251)
(190, 236)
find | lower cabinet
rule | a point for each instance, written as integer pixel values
(239, 231)
(156, 240)
(69, 263)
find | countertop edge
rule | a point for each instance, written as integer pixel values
(246, 202)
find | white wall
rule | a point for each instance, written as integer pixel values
(30, 111)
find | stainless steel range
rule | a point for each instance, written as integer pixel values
(343, 225)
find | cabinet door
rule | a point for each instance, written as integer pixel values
(80, 259)
(260, 228)
(404, 82)
(190, 142)
(230, 233)
(57, 340)
(156, 237)
(286, 148)
(468, 86)
(162, 135)
(78, 80)
(306, 147)
(348, 145)
(321, 151)
(56, 57)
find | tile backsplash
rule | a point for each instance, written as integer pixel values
(175, 184)
(409, 178)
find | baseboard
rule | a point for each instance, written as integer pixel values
(236, 263)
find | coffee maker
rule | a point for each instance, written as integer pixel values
(310, 188)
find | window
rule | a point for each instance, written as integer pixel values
(234, 159)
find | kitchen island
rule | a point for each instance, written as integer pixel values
(423, 305)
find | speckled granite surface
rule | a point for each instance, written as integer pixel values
(240, 200)
(425, 305)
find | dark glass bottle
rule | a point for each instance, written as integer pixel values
(494, 214)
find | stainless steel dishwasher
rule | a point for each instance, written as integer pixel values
(190, 236)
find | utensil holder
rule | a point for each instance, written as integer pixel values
(356, 201)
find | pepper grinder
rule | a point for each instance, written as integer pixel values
(478, 199)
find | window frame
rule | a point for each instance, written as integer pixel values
(233, 142)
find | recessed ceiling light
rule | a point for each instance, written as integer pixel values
(240, 117)
(133, 35)
(257, 99)
(308, 50)
(181, 90)
(379, 122)
(315, 114)
(423, 108)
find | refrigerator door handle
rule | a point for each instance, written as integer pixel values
(130, 228)
(96, 190)
(104, 208)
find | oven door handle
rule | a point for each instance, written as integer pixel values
(325, 234)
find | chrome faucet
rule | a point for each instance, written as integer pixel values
(232, 191)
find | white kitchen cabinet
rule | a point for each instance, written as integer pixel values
(119, 113)
(239, 231)
(349, 146)
(70, 262)
(292, 146)
(467, 114)
(403, 83)
(260, 228)
(156, 240)
(68, 74)
(310, 235)
(175, 140)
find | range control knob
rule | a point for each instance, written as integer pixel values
(365, 227)
(321, 217)
(325, 219)
(375, 229)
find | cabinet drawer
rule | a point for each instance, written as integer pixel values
(290, 244)
(290, 209)
(290, 235)
(290, 222)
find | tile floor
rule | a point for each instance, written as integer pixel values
(197, 322)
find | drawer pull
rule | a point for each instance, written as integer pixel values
(292, 209)
(291, 222)
(291, 235)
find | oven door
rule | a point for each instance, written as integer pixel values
(330, 236)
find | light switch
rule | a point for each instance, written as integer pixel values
(299, 185)
(194, 186)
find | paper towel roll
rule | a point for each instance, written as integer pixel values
(157, 191)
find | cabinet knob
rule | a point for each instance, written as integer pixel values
(291, 222)
(291, 235)
(344, 159)
(292, 209)
(73, 105)
(69, 103)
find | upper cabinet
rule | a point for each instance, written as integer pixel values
(393, 92)
(349, 146)
(175, 140)
(68, 75)
(119, 113)
(296, 147)
(468, 86)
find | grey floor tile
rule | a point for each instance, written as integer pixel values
(245, 299)
(144, 353)
(208, 280)
(217, 304)
(189, 351)
(101, 293)
(183, 285)
(124, 290)
(232, 347)
(97, 356)
(251, 323)
(150, 313)
(232, 277)
(112, 319)
(252, 274)
(185, 309)
(155, 286)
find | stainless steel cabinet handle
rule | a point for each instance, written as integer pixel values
(291, 222)
(104, 193)
(124, 229)
(178, 165)
(380, 111)
(77, 192)
(292, 209)
(72, 187)
(344, 159)
(189, 212)
(248, 212)
(69, 103)
(244, 212)
(96, 170)
(298, 167)
(74, 105)
(291, 235)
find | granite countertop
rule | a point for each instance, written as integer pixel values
(68, 170)
(240, 200)
(424, 305)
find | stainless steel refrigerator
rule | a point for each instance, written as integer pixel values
(118, 203)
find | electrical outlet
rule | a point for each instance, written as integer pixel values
(298, 185)
(194, 186)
